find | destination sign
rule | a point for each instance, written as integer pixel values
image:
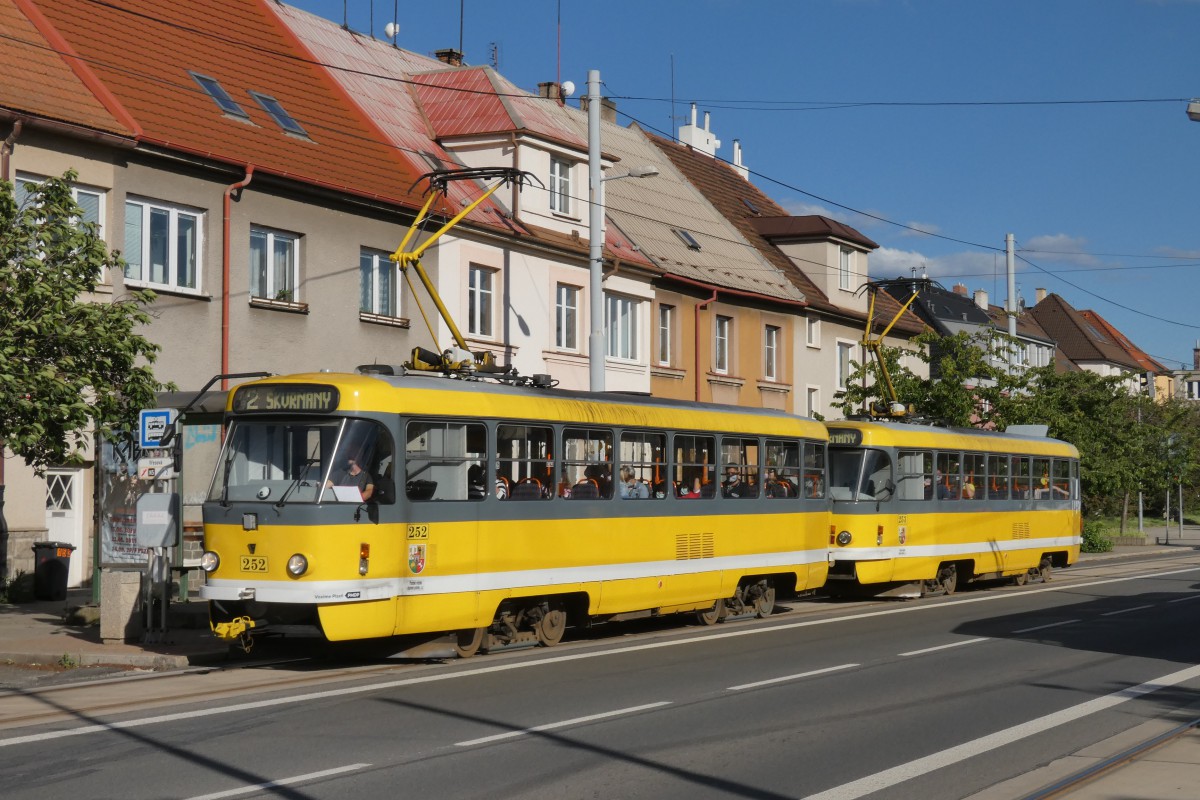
(849, 437)
(285, 398)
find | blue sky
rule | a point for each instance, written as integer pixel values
(964, 119)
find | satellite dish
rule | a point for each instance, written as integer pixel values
(391, 29)
(567, 88)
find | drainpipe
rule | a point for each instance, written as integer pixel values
(696, 346)
(6, 150)
(229, 190)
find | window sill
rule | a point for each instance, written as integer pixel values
(774, 386)
(383, 319)
(670, 373)
(171, 291)
(279, 305)
(725, 380)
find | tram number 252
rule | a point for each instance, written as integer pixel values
(418, 532)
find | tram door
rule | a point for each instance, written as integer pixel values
(64, 517)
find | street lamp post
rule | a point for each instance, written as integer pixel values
(596, 344)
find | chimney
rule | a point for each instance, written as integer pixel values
(550, 90)
(738, 166)
(699, 139)
(449, 56)
(1038, 296)
(981, 298)
(1196, 355)
(608, 108)
(961, 289)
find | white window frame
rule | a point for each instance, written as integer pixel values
(481, 301)
(621, 314)
(845, 268)
(812, 332)
(560, 185)
(290, 292)
(666, 333)
(772, 338)
(101, 196)
(373, 296)
(722, 343)
(843, 359)
(812, 396)
(566, 316)
(141, 211)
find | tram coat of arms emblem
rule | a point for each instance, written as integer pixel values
(416, 558)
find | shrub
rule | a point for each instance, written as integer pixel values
(1095, 539)
(19, 589)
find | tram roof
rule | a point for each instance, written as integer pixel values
(483, 399)
(886, 433)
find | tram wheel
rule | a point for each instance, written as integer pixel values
(764, 604)
(468, 641)
(711, 616)
(551, 627)
(948, 579)
(1044, 570)
(1022, 579)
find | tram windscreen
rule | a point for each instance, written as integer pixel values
(326, 461)
(859, 474)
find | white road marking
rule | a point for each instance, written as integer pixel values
(769, 681)
(1185, 599)
(549, 661)
(899, 774)
(1051, 625)
(1126, 610)
(552, 725)
(257, 787)
(945, 646)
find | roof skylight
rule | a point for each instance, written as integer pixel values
(282, 118)
(687, 238)
(221, 97)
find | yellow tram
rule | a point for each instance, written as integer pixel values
(922, 509)
(374, 505)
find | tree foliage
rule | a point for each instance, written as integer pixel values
(69, 363)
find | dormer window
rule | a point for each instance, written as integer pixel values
(221, 97)
(846, 269)
(282, 118)
(560, 186)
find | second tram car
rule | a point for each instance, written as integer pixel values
(923, 509)
(373, 505)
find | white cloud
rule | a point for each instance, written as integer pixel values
(920, 228)
(1058, 247)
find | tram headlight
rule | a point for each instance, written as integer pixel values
(297, 565)
(844, 538)
(209, 561)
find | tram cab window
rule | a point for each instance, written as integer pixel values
(645, 453)
(998, 478)
(914, 475)
(813, 486)
(297, 462)
(445, 461)
(948, 476)
(783, 479)
(525, 461)
(695, 466)
(587, 472)
(739, 465)
(859, 474)
(974, 475)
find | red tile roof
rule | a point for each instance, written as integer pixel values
(811, 226)
(142, 53)
(46, 84)
(1143, 360)
(1078, 338)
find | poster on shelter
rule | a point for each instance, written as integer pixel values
(119, 492)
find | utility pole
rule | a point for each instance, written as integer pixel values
(596, 343)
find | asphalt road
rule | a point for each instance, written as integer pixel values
(937, 698)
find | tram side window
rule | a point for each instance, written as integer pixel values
(783, 479)
(948, 476)
(997, 478)
(1074, 473)
(587, 464)
(695, 466)
(1022, 478)
(915, 471)
(814, 471)
(1045, 482)
(644, 455)
(524, 460)
(739, 463)
(445, 461)
(974, 476)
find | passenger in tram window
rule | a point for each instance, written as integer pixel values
(631, 487)
(733, 486)
(476, 488)
(968, 491)
(501, 486)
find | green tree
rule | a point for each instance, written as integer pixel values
(68, 364)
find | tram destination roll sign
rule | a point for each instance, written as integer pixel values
(285, 398)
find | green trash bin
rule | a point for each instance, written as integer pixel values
(51, 565)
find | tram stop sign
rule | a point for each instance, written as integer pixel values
(153, 425)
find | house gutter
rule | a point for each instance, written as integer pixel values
(225, 227)
(6, 150)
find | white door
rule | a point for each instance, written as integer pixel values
(64, 518)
